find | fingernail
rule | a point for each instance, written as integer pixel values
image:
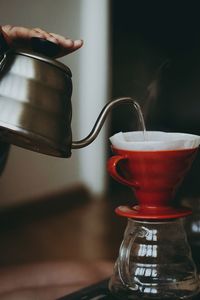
(78, 42)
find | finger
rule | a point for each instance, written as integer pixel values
(67, 42)
(15, 32)
(58, 36)
(64, 42)
(78, 44)
(41, 31)
(45, 35)
(67, 45)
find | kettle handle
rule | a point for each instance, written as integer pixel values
(100, 121)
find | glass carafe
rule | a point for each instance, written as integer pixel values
(154, 263)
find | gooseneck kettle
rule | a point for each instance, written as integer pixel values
(35, 100)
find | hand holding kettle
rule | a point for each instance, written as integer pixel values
(35, 93)
(20, 37)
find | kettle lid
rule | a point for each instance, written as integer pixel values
(45, 59)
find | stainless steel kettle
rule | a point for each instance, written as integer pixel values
(35, 101)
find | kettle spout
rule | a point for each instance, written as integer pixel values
(100, 121)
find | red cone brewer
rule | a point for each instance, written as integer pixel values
(154, 259)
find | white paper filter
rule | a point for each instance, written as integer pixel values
(154, 140)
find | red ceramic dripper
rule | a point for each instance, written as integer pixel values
(154, 177)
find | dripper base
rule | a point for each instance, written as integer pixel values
(146, 213)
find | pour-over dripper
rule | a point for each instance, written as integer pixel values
(154, 260)
(153, 165)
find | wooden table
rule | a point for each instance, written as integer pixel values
(58, 244)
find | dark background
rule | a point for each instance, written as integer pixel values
(156, 59)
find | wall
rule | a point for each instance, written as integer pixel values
(157, 61)
(29, 174)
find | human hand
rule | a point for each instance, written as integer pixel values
(17, 36)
